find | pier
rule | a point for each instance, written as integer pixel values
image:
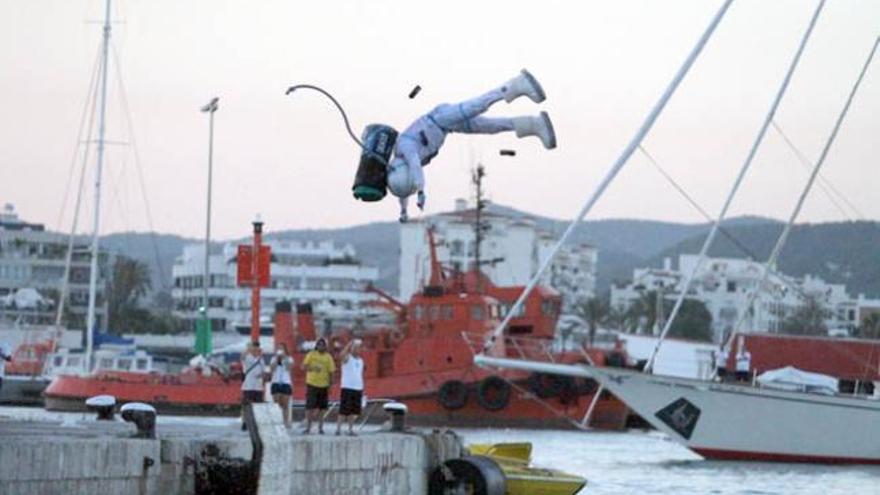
(104, 457)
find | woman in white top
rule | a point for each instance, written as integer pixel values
(282, 386)
(351, 387)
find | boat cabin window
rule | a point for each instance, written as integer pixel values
(433, 312)
(477, 312)
(549, 308)
(141, 364)
(124, 364)
(57, 361)
(446, 312)
(505, 308)
(105, 363)
(417, 312)
(74, 362)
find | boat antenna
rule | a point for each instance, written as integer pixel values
(102, 127)
(783, 237)
(615, 169)
(480, 226)
(739, 179)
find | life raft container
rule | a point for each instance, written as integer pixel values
(453, 395)
(371, 179)
(493, 393)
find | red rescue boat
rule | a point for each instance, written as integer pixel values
(424, 360)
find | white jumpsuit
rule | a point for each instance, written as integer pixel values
(421, 141)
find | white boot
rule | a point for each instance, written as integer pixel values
(524, 84)
(538, 125)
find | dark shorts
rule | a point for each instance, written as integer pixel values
(281, 388)
(316, 397)
(350, 402)
(251, 396)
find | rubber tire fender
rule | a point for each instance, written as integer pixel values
(479, 475)
(544, 385)
(497, 401)
(452, 395)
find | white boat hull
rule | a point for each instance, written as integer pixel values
(726, 421)
(737, 422)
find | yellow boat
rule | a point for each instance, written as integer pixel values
(523, 479)
(500, 469)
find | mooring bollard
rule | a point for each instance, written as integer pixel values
(397, 411)
(143, 416)
(103, 405)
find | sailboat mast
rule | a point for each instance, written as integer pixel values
(93, 270)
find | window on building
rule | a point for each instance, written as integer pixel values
(731, 286)
(456, 248)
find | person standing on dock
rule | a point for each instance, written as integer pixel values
(319, 367)
(252, 386)
(351, 392)
(743, 365)
(282, 386)
(721, 363)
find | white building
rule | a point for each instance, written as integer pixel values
(32, 264)
(724, 286)
(511, 252)
(326, 275)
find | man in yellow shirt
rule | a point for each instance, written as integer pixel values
(319, 367)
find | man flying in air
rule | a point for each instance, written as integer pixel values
(421, 141)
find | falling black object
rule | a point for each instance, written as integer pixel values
(414, 92)
(507, 153)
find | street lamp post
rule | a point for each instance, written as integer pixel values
(203, 327)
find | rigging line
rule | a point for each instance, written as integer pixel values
(79, 137)
(696, 205)
(783, 279)
(615, 169)
(65, 281)
(824, 183)
(137, 161)
(780, 242)
(736, 185)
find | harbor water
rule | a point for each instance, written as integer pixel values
(624, 463)
(638, 462)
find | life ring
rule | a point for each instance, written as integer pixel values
(493, 393)
(452, 395)
(544, 385)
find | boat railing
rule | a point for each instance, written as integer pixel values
(522, 347)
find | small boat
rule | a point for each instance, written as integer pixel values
(501, 469)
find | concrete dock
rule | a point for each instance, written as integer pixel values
(102, 457)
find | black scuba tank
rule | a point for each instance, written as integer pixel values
(370, 182)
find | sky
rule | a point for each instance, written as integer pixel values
(603, 64)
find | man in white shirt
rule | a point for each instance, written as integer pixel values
(252, 386)
(721, 356)
(743, 365)
(351, 392)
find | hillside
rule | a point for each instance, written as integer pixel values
(841, 252)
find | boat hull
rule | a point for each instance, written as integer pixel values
(738, 422)
(212, 396)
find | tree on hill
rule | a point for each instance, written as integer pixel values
(128, 285)
(694, 321)
(594, 311)
(808, 319)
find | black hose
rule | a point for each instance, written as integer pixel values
(328, 95)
